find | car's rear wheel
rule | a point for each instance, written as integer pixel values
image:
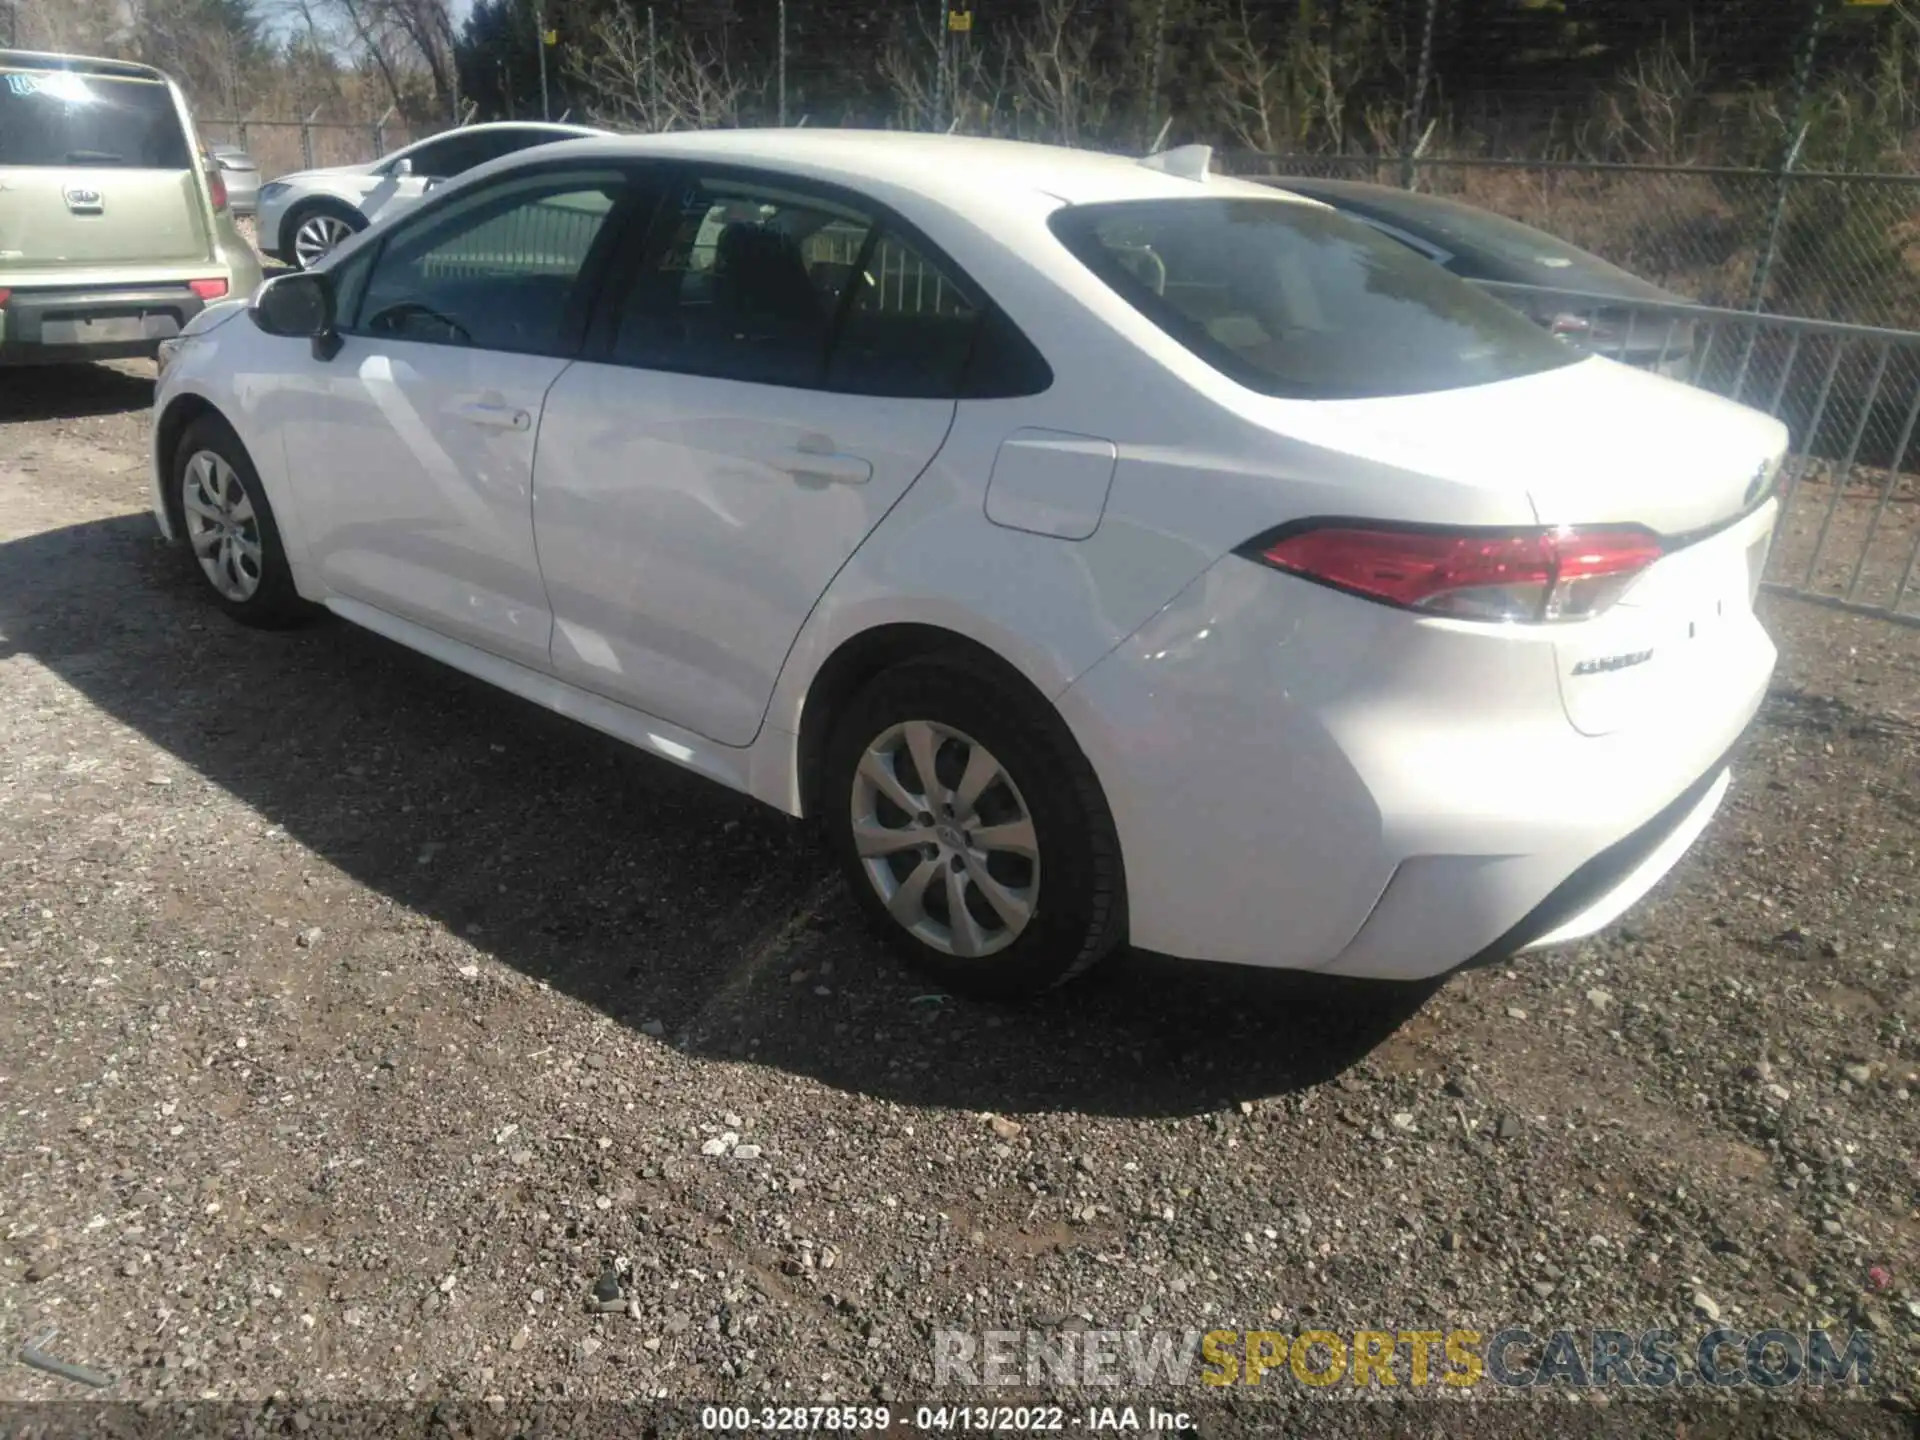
(229, 528)
(317, 229)
(972, 831)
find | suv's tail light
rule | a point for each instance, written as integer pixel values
(1508, 575)
(217, 187)
(208, 289)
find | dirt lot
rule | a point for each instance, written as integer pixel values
(358, 1018)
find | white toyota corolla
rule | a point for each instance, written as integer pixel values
(1103, 550)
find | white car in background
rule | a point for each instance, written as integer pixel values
(304, 215)
(1102, 550)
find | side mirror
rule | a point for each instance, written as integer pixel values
(297, 305)
(403, 167)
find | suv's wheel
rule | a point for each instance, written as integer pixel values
(972, 831)
(316, 228)
(229, 528)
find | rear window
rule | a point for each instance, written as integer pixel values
(55, 117)
(1475, 234)
(1292, 300)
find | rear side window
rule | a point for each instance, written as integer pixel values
(1292, 300)
(756, 280)
(57, 117)
(908, 327)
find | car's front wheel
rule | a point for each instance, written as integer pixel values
(972, 831)
(316, 229)
(229, 528)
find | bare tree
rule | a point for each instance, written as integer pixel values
(1059, 89)
(935, 86)
(638, 77)
(1250, 90)
(407, 43)
(1652, 112)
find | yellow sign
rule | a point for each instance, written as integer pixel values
(962, 20)
(552, 37)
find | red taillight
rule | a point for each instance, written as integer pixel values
(1583, 327)
(4, 294)
(217, 188)
(1513, 575)
(208, 289)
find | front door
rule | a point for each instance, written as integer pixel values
(412, 448)
(782, 369)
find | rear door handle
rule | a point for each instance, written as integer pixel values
(494, 417)
(806, 463)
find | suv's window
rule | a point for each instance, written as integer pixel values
(64, 118)
(498, 270)
(741, 281)
(1294, 300)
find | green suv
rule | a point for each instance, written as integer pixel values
(114, 226)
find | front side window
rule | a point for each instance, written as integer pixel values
(1298, 301)
(61, 117)
(454, 154)
(498, 270)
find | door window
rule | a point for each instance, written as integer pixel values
(497, 270)
(908, 330)
(448, 156)
(741, 281)
(752, 281)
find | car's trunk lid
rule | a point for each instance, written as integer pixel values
(90, 219)
(1592, 443)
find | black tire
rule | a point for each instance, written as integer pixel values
(300, 214)
(1078, 910)
(272, 602)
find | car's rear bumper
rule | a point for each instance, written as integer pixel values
(52, 325)
(1307, 780)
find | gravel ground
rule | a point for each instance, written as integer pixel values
(360, 1019)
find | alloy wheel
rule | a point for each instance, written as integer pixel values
(221, 526)
(945, 838)
(316, 236)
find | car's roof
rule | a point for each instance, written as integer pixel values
(953, 169)
(1502, 248)
(84, 64)
(558, 127)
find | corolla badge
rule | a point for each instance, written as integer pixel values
(85, 200)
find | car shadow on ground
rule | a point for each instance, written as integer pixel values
(636, 888)
(72, 392)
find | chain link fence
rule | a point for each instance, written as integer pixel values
(1825, 245)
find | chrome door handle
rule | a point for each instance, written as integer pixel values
(494, 417)
(803, 463)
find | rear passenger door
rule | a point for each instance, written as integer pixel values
(783, 364)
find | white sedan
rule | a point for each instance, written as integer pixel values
(1104, 551)
(305, 214)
